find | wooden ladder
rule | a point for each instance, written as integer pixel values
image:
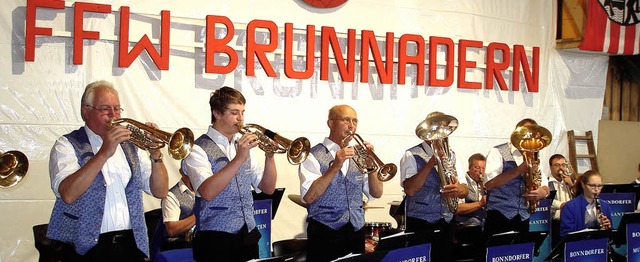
(573, 156)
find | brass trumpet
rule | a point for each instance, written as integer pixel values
(529, 140)
(180, 142)
(367, 161)
(13, 168)
(297, 150)
(436, 128)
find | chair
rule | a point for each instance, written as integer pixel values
(295, 248)
(49, 249)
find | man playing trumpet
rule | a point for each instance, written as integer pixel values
(332, 186)
(223, 172)
(98, 177)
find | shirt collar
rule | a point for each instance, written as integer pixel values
(93, 137)
(330, 145)
(219, 138)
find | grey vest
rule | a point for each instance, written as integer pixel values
(341, 203)
(507, 199)
(427, 204)
(233, 207)
(79, 223)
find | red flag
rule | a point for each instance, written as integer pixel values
(612, 27)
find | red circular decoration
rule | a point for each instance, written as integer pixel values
(325, 3)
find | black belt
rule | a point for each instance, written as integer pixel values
(116, 237)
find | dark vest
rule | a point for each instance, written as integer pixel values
(507, 199)
(79, 223)
(233, 207)
(341, 203)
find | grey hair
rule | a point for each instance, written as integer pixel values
(89, 91)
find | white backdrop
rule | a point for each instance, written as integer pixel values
(40, 100)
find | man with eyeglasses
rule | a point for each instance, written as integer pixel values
(471, 209)
(562, 183)
(333, 188)
(223, 172)
(98, 176)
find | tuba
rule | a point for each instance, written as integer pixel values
(436, 128)
(529, 140)
(13, 168)
(367, 161)
(297, 150)
(180, 142)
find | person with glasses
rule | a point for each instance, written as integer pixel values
(98, 177)
(471, 209)
(426, 210)
(223, 172)
(332, 187)
(560, 182)
(582, 211)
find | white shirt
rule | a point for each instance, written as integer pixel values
(198, 167)
(171, 205)
(494, 164)
(116, 172)
(563, 194)
(309, 170)
(408, 166)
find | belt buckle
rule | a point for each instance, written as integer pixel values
(114, 239)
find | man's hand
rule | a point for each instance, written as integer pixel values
(536, 195)
(115, 135)
(454, 190)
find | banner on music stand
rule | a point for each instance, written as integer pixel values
(262, 215)
(413, 253)
(540, 222)
(633, 242)
(515, 253)
(586, 250)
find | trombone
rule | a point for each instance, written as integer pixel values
(13, 168)
(180, 142)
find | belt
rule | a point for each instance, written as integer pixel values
(116, 237)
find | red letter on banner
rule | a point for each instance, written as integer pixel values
(214, 45)
(30, 25)
(385, 71)
(495, 69)
(531, 76)
(463, 63)
(288, 52)
(347, 71)
(404, 59)
(434, 42)
(259, 50)
(78, 30)
(125, 58)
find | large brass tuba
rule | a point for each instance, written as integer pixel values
(297, 150)
(436, 128)
(13, 167)
(367, 161)
(529, 140)
(180, 142)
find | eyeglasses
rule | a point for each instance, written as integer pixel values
(560, 165)
(595, 185)
(347, 120)
(105, 109)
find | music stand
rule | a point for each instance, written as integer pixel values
(510, 238)
(576, 236)
(622, 188)
(276, 197)
(620, 235)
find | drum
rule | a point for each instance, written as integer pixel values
(372, 232)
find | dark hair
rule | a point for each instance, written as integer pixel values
(222, 97)
(582, 180)
(476, 157)
(554, 157)
(526, 121)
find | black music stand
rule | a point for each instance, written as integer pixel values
(510, 238)
(276, 197)
(558, 250)
(623, 188)
(620, 236)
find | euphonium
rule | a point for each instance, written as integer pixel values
(180, 142)
(367, 161)
(436, 128)
(13, 167)
(529, 140)
(297, 150)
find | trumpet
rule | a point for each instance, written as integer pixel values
(297, 150)
(367, 161)
(436, 128)
(13, 168)
(529, 140)
(180, 142)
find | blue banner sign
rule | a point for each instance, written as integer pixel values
(540, 221)
(512, 253)
(418, 253)
(633, 242)
(586, 250)
(262, 215)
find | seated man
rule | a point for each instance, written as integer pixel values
(177, 215)
(471, 209)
